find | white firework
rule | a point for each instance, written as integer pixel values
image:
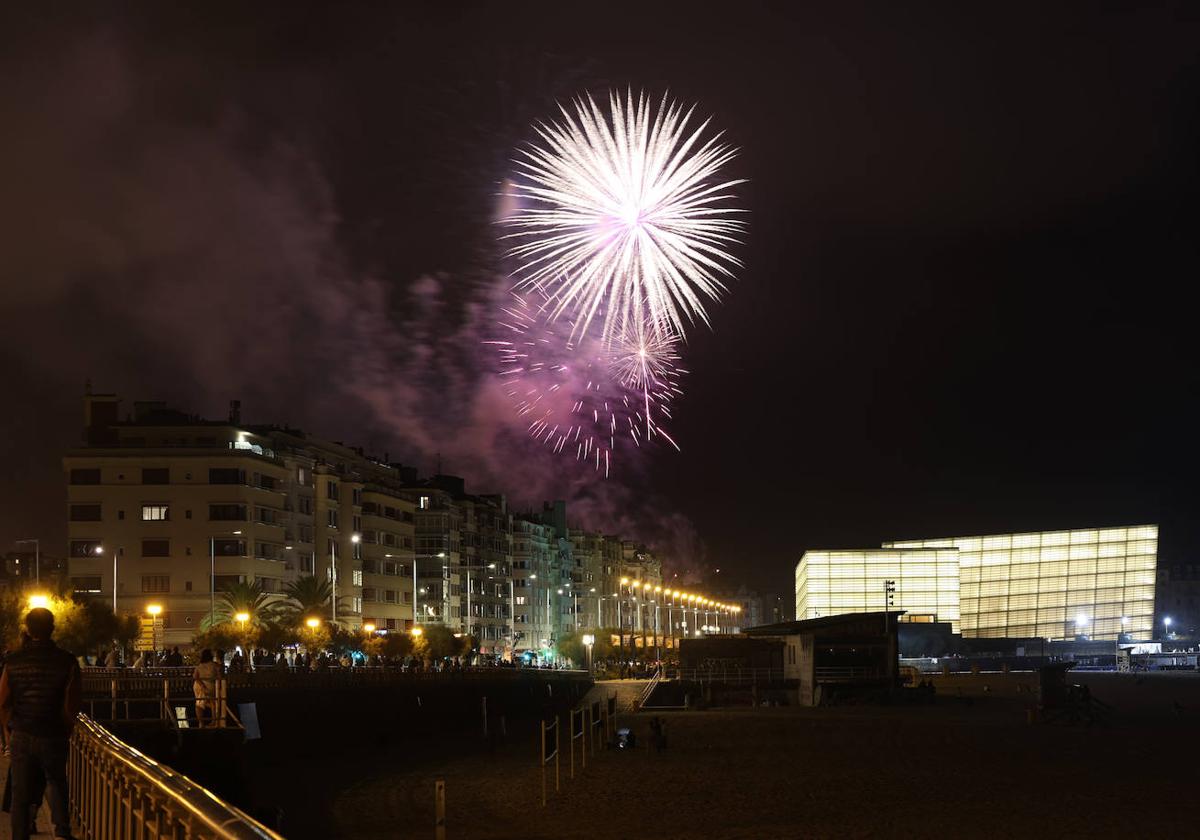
(622, 216)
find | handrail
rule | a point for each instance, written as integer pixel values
(650, 686)
(118, 791)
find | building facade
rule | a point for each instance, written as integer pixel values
(1098, 583)
(169, 509)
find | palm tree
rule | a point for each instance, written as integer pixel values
(308, 596)
(248, 598)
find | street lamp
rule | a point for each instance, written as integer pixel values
(1167, 626)
(313, 623)
(37, 558)
(588, 641)
(368, 628)
(39, 602)
(418, 632)
(156, 609)
(116, 553)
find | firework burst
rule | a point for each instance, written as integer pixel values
(622, 217)
(578, 396)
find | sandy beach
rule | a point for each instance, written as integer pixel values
(965, 766)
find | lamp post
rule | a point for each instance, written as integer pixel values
(37, 558)
(212, 575)
(99, 550)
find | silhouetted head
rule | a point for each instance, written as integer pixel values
(40, 623)
(206, 656)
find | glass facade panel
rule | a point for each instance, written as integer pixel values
(1096, 581)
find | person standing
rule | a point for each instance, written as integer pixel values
(41, 693)
(204, 688)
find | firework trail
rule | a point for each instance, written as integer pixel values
(621, 217)
(580, 397)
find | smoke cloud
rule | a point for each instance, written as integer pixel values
(162, 243)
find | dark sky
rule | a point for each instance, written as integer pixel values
(964, 305)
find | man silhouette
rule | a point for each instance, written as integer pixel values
(40, 695)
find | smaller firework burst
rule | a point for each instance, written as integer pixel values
(577, 395)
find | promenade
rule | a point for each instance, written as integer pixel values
(43, 822)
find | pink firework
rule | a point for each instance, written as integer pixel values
(576, 395)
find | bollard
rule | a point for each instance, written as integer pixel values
(439, 794)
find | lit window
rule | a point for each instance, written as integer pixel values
(423, 503)
(154, 513)
(356, 578)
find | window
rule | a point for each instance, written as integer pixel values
(520, 599)
(389, 568)
(356, 577)
(408, 597)
(156, 475)
(265, 482)
(226, 475)
(223, 582)
(370, 566)
(389, 596)
(84, 548)
(331, 489)
(333, 518)
(154, 513)
(85, 513)
(356, 495)
(368, 593)
(305, 505)
(229, 548)
(356, 550)
(156, 548)
(88, 476)
(266, 515)
(356, 522)
(120, 514)
(423, 503)
(156, 584)
(391, 624)
(89, 585)
(187, 586)
(302, 476)
(227, 513)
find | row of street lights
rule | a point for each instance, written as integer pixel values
(674, 599)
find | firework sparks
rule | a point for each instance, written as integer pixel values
(578, 397)
(622, 217)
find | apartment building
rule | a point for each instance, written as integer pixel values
(166, 508)
(532, 577)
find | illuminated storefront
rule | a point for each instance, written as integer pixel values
(1097, 583)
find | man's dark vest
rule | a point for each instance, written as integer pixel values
(37, 677)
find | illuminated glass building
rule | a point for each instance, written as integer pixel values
(835, 582)
(1053, 584)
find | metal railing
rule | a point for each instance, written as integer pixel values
(167, 698)
(846, 673)
(727, 675)
(118, 792)
(650, 686)
(100, 681)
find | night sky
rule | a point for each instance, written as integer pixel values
(964, 306)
